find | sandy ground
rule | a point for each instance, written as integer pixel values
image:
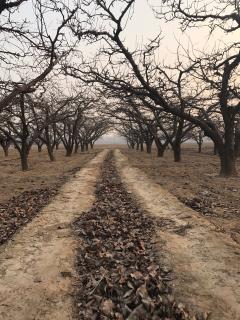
(195, 181)
(205, 262)
(41, 174)
(37, 265)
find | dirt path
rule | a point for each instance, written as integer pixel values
(37, 265)
(206, 263)
(120, 274)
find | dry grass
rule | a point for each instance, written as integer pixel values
(42, 173)
(195, 180)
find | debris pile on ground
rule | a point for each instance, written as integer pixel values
(21, 209)
(119, 272)
(202, 204)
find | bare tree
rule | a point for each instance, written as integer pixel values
(90, 130)
(5, 143)
(31, 49)
(197, 135)
(222, 14)
(136, 72)
(9, 5)
(19, 126)
(39, 144)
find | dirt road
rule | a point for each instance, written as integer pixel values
(37, 265)
(206, 264)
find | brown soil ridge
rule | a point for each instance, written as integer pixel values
(206, 263)
(37, 265)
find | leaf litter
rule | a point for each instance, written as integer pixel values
(120, 274)
(21, 209)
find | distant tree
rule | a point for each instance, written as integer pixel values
(19, 126)
(197, 135)
(5, 143)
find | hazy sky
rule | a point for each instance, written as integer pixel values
(143, 26)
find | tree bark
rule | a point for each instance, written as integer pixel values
(149, 145)
(227, 152)
(39, 148)
(25, 148)
(160, 152)
(228, 163)
(76, 147)
(132, 145)
(199, 147)
(50, 153)
(177, 151)
(69, 152)
(5, 150)
(24, 160)
(161, 147)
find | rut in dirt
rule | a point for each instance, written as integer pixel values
(119, 272)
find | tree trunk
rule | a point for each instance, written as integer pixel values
(132, 145)
(141, 146)
(199, 147)
(5, 150)
(50, 153)
(228, 163)
(76, 148)
(86, 146)
(149, 146)
(160, 147)
(176, 145)
(227, 152)
(24, 160)
(69, 151)
(82, 147)
(91, 145)
(39, 148)
(177, 151)
(237, 144)
(24, 151)
(160, 152)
